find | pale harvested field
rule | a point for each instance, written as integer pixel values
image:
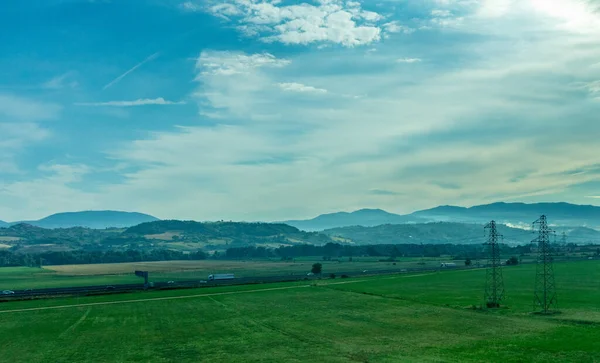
(167, 236)
(240, 268)
(167, 266)
(9, 239)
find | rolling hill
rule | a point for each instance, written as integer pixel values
(174, 235)
(4, 224)
(92, 219)
(362, 217)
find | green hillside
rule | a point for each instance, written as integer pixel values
(427, 233)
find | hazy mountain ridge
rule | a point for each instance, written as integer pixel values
(560, 214)
(90, 219)
(362, 217)
(515, 214)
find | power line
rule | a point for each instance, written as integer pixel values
(494, 286)
(545, 286)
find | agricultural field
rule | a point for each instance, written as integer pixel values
(426, 317)
(16, 278)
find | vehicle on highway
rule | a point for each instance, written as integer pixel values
(221, 277)
(110, 288)
(8, 292)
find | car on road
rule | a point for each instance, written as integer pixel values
(8, 292)
(110, 288)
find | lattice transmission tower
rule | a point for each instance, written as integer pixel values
(545, 286)
(494, 281)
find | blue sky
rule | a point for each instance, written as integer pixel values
(277, 109)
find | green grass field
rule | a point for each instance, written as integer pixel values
(397, 318)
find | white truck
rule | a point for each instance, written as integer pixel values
(221, 277)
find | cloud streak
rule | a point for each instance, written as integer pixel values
(140, 102)
(299, 87)
(409, 60)
(119, 78)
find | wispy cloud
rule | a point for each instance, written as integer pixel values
(139, 102)
(150, 58)
(409, 60)
(62, 81)
(299, 87)
(231, 63)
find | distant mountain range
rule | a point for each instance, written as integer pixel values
(89, 219)
(518, 214)
(513, 214)
(362, 217)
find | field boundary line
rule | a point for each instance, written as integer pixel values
(150, 299)
(76, 324)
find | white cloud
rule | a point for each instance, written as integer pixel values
(329, 21)
(138, 102)
(299, 87)
(408, 60)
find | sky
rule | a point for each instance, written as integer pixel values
(280, 109)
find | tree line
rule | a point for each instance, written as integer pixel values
(8, 258)
(334, 250)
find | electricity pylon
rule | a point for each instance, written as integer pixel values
(545, 286)
(494, 281)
